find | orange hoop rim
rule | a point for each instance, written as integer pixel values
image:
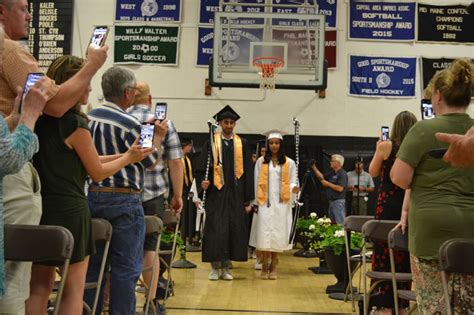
(277, 62)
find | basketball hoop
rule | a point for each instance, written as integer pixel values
(269, 67)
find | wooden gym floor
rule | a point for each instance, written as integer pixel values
(297, 290)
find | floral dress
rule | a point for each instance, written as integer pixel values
(389, 207)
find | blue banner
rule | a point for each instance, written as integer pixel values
(382, 20)
(207, 9)
(148, 10)
(326, 7)
(382, 76)
(239, 45)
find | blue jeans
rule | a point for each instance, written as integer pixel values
(125, 213)
(337, 211)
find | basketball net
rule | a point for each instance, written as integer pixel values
(269, 67)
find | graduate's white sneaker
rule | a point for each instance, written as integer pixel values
(214, 275)
(226, 275)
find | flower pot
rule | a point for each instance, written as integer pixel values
(338, 265)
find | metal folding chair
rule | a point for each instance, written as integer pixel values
(101, 232)
(455, 256)
(169, 217)
(38, 244)
(398, 241)
(353, 223)
(153, 225)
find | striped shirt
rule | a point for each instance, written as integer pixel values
(157, 180)
(114, 132)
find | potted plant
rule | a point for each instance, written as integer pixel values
(305, 234)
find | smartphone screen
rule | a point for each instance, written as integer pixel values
(385, 133)
(99, 36)
(146, 135)
(427, 109)
(30, 81)
(160, 111)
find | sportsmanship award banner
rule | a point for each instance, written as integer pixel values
(239, 46)
(207, 8)
(326, 7)
(450, 24)
(298, 46)
(394, 21)
(146, 44)
(148, 10)
(382, 76)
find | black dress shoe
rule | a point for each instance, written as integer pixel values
(338, 287)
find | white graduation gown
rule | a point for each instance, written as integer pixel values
(271, 226)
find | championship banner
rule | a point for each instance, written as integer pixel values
(239, 46)
(390, 21)
(207, 8)
(448, 24)
(429, 67)
(146, 44)
(298, 46)
(382, 76)
(326, 7)
(148, 10)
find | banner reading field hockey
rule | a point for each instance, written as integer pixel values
(239, 46)
(448, 23)
(146, 44)
(325, 7)
(207, 8)
(382, 76)
(391, 21)
(148, 10)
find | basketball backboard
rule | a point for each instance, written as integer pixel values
(241, 38)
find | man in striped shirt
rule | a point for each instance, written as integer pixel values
(118, 198)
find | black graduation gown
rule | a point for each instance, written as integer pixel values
(225, 235)
(188, 215)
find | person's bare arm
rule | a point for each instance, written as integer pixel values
(402, 174)
(316, 172)
(332, 186)
(176, 174)
(382, 152)
(72, 90)
(109, 158)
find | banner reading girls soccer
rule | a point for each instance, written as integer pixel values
(382, 76)
(148, 10)
(394, 21)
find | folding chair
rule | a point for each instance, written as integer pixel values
(377, 230)
(398, 241)
(101, 232)
(353, 223)
(455, 256)
(169, 217)
(153, 225)
(40, 243)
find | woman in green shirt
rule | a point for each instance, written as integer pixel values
(442, 196)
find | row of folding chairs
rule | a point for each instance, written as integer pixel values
(455, 256)
(28, 243)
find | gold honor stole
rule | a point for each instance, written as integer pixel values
(238, 159)
(187, 179)
(262, 190)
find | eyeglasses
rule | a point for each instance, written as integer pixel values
(133, 88)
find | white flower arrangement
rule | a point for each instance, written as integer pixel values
(339, 233)
(313, 215)
(312, 227)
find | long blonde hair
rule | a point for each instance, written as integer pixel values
(402, 123)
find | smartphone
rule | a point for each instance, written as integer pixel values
(160, 111)
(31, 79)
(427, 109)
(146, 135)
(99, 35)
(385, 133)
(437, 153)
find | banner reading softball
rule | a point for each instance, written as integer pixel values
(382, 76)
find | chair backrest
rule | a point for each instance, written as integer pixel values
(37, 243)
(355, 222)
(457, 255)
(397, 240)
(153, 224)
(169, 217)
(377, 230)
(101, 230)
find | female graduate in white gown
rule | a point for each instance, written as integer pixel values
(275, 186)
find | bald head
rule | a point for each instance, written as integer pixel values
(143, 94)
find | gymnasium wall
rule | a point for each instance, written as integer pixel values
(336, 115)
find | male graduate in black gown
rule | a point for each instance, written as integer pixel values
(229, 190)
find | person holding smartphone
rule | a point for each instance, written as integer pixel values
(389, 207)
(66, 156)
(442, 196)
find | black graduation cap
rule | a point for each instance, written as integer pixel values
(259, 145)
(226, 112)
(185, 141)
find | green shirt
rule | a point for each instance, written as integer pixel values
(442, 196)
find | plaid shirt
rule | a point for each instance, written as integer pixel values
(157, 180)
